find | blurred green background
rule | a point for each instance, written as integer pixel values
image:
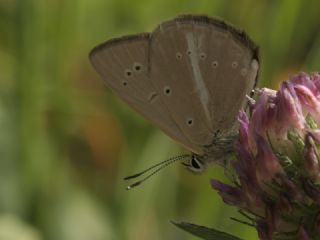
(66, 141)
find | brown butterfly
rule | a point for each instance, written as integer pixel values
(189, 77)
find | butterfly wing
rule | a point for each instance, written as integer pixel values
(202, 69)
(124, 66)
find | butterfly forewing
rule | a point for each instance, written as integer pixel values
(208, 68)
(179, 80)
(124, 65)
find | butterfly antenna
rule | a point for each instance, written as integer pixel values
(160, 166)
(173, 159)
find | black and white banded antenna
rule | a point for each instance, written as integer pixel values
(157, 167)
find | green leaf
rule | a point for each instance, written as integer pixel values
(204, 232)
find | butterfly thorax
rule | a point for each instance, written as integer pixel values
(219, 152)
(222, 146)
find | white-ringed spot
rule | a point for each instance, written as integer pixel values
(179, 55)
(167, 91)
(215, 64)
(137, 67)
(128, 73)
(189, 122)
(203, 56)
(234, 64)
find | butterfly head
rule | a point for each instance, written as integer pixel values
(195, 163)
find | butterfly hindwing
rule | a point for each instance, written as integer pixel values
(180, 80)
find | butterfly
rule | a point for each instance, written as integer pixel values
(189, 77)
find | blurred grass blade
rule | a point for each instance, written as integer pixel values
(204, 232)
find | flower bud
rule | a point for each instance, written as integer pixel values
(311, 162)
(276, 170)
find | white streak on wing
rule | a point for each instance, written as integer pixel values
(197, 77)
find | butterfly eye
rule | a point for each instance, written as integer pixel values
(195, 164)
